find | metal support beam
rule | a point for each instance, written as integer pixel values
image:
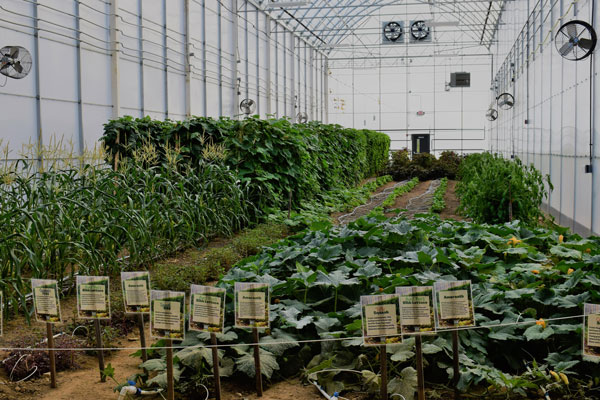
(234, 64)
(36, 70)
(141, 55)
(188, 62)
(204, 89)
(326, 91)
(114, 43)
(269, 110)
(166, 58)
(80, 138)
(220, 56)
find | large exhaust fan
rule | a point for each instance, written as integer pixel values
(575, 40)
(15, 62)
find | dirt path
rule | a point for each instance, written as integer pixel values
(376, 200)
(452, 203)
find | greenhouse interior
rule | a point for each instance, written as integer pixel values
(303, 199)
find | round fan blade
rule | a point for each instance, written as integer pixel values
(4, 67)
(18, 67)
(585, 43)
(572, 30)
(565, 49)
(15, 53)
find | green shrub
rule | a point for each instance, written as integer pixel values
(491, 185)
(274, 157)
(439, 203)
(208, 267)
(399, 191)
(251, 241)
(423, 166)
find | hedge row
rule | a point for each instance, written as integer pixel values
(275, 156)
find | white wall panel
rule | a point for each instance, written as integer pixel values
(557, 139)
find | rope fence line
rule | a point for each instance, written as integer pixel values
(290, 342)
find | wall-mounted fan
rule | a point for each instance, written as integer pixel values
(506, 101)
(302, 117)
(419, 30)
(575, 40)
(392, 31)
(15, 62)
(491, 114)
(248, 106)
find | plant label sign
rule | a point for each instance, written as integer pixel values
(251, 305)
(167, 310)
(93, 300)
(45, 300)
(136, 292)
(454, 304)
(591, 330)
(416, 309)
(207, 305)
(381, 322)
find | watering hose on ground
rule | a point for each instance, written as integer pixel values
(135, 391)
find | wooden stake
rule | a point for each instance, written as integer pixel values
(215, 357)
(259, 385)
(142, 337)
(170, 381)
(99, 351)
(384, 372)
(420, 375)
(50, 335)
(455, 345)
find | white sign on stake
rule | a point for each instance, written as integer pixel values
(381, 321)
(46, 301)
(136, 292)
(167, 317)
(93, 297)
(207, 309)
(453, 304)
(591, 330)
(416, 308)
(251, 305)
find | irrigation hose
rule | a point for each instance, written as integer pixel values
(384, 194)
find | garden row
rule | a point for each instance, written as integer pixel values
(170, 193)
(519, 274)
(277, 158)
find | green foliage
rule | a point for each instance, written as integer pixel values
(490, 185)
(423, 166)
(210, 264)
(275, 157)
(439, 203)
(399, 191)
(337, 200)
(318, 276)
(59, 222)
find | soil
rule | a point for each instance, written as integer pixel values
(452, 203)
(85, 380)
(402, 201)
(377, 198)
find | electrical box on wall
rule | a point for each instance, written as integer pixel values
(460, 79)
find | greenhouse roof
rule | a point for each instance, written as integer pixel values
(325, 23)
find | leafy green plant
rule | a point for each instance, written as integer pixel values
(439, 203)
(520, 275)
(59, 222)
(337, 200)
(423, 166)
(276, 158)
(495, 190)
(399, 191)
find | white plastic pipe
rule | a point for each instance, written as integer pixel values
(132, 390)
